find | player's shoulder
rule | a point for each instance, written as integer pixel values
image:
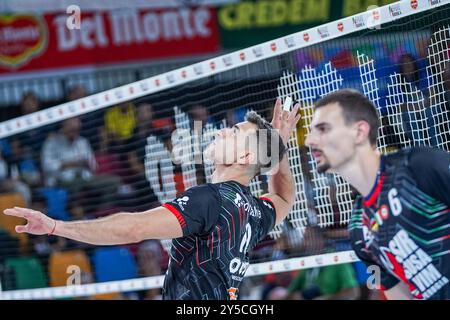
(231, 187)
(425, 155)
(206, 190)
(414, 157)
(206, 187)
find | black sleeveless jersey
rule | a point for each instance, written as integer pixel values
(403, 225)
(221, 223)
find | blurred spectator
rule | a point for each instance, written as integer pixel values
(22, 157)
(389, 136)
(76, 92)
(145, 118)
(199, 113)
(302, 126)
(419, 123)
(236, 115)
(199, 117)
(68, 161)
(107, 162)
(10, 176)
(29, 103)
(333, 282)
(149, 261)
(120, 123)
(132, 152)
(67, 156)
(91, 120)
(280, 248)
(272, 284)
(446, 77)
(314, 241)
(288, 242)
(31, 140)
(409, 69)
(277, 293)
(143, 130)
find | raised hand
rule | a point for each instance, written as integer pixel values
(37, 222)
(285, 121)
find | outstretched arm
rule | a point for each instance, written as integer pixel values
(120, 228)
(281, 183)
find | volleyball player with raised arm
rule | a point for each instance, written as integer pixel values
(213, 226)
(401, 220)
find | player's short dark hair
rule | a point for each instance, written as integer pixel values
(355, 107)
(264, 128)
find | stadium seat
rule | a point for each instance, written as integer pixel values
(8, 223)
(56, 203)
(60, 261)
(114, 263)
(24, 273)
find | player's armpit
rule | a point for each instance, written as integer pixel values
(398, 292)
(282, 207)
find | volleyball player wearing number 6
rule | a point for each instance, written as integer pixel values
(401, 221)
(213, 226)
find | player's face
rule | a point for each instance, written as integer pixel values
(233, 145)
(331, 140)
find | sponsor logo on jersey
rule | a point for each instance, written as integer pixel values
(409, 263)
(251, 210)
(238, 201)
(268, 204)
(368, 236)
(233, 293)
(182, 202)
(380, 216)
(237, 266)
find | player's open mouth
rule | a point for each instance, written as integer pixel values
(316, 154)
